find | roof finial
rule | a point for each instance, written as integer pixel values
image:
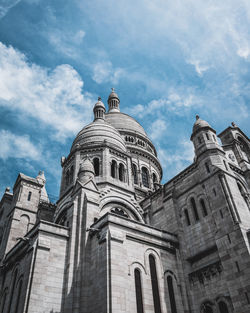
(113, 89)
(197, 117)
(99, 99)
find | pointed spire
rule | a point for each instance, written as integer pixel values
(113, 101)
(99, 110)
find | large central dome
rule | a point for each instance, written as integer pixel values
(124, 122)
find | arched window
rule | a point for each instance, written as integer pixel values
(223, 307)
(244, 149)
(154, 282)
(121, 172)
(96, 164)
(196, 216)
(138, 291)
(113, 169)
(145, 178)
(204, 209)
(29, 196)
(3, 302)
(199, 139)
(19, 295)
(187, 217)
(207, 136)
(171, 294)
(24, 223)
(243, 194)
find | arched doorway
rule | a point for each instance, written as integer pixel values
(223, 307)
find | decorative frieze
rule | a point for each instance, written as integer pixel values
(205, 273)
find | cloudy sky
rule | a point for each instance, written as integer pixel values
(168, 61)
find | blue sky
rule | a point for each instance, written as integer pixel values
(168, 61)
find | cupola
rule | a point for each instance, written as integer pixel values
(203, 137)
(113, 101)
(99, 110)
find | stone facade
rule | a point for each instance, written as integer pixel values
(119, 241)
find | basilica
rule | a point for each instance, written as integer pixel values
(119, 241)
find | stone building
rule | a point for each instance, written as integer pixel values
(119, 241)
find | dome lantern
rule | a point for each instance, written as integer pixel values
(113, 101)
(99, 110)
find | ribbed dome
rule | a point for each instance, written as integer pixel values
(112, 95)
(199, 123)
(97, 133)
(124, 122)
(99, 103)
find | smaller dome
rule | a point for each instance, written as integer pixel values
(199, 123)
(98, 132)
(113, 94)
(86, 166)
(99, 103)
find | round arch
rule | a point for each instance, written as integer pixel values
(109, 202)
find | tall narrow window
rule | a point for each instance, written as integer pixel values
(154, 178)
(145, 177)
(71, 174)
(204, 209)
(154, 282)
(187, 217)
(199, 139)
(138, 291)
(171, 294)
(121, 172)
(196, 216)
(207, 136)
(223, 307)
(113, 169)
(207, 167)
(96, 164)
(19, 295)
(29, 195)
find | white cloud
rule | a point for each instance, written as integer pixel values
(16, 146)
(157, 129)
(176, 101)
(105, 72)
(244, 52)
(54, 97)
(200, 69)
(174, 161)
(66, 42)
